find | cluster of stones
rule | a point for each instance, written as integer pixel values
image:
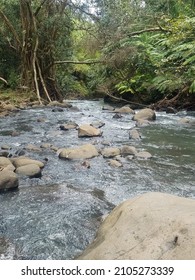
(115, 154)
(12, 168)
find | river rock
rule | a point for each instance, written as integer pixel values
(124, 110)
(171, 110)
(128, 150)
(86, 151)
(110, 152)
(45, 146)
(6, 164)
(5, 147)
(69, 125)
(97, 124)
(33, 148)
(4, 153)
(134, 134)
(107, 108)
(87, 130)
(117, 116)
(145, 114)
(144, 155)
(115, 163)
(142, 123)
(187, 121)
(21, 161)
(153, 226)
(8, 180)
(59, 104)
(30, 170)
(57, 109)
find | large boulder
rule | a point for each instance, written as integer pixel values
(150, 226)
(8, 180)
(145, 114)
(82, 152)
(87, 130)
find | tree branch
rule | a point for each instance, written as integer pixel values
(155, 29)
(10, 27)
(4, 80)
(78, 62)
(39, 8)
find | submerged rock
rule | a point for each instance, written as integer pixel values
(148, 227)
(144, 155)
(86, 151)
(134, 134)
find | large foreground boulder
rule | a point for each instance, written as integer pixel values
(8, 180)
(150, 226)
(145, 114)
(82, 152)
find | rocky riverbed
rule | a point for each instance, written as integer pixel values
(84, 158)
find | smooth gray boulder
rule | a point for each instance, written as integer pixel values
(152, 226)
(86, 151)
(145, 114)
(8, 180)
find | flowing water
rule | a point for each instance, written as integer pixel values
(57, 216)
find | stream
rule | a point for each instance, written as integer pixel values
(56, 216)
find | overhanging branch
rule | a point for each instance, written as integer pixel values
(155, 29)
(78, 62)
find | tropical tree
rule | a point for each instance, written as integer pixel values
(36, 32)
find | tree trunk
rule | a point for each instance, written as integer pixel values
(34, 75)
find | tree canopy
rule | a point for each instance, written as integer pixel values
(138, 50)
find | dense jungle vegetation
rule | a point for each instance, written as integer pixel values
(140, 51)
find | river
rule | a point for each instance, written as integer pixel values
(57, 216)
